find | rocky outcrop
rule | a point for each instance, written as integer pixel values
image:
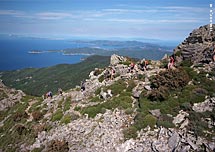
(198, 47)
(104, 133)
(207, 105)
(116, 59)
(8, 97)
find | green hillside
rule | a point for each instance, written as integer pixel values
(37, 81)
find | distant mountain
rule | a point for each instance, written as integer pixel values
(37, 81)
(134, 49)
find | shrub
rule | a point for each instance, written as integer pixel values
(165, 124)
(126, 63)
(186, 106)
(37, 115)
(101, 78)
(178, 53)
(166, 81)
(150, 120)
(21, 129)
(186, 63)
(131, 85)
(58, 146)
(77, 108)
(19, 116)
(130, 132)
(165, 121)
(129, 111)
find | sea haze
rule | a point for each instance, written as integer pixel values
(14, 53)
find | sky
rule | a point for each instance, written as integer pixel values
(152, 19)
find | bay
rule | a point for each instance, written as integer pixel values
(14, 53)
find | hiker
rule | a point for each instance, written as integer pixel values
(145, 64)
(82, 86)
(131, 67)
(107, 74)
(171, 62)
(112, 73)
(60, 91)
(49, 94)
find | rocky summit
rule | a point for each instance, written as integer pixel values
(127, 106)
(198, 47)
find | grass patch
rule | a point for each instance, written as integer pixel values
(57, 115)
(66, 119)
(122, 102)
(67, 104)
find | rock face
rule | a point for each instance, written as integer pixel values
(104, 133)
(8, 97)
(198, 47)
(115, 59)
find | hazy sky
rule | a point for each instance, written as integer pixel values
(157, 19)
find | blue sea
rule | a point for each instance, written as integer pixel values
(14, 53)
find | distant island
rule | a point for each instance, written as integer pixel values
(35, 52)
(133, 49)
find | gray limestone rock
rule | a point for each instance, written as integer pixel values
(174, 141)
(116, 59)
(207, 105)
(155, 112)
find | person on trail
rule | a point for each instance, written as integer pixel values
(49, 94)
(171, 62)
(107, 74)
(145, 65)
(82, 86)
(112, 73)
(131, 67)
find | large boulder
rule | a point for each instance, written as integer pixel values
(116, 59)
(198, 47)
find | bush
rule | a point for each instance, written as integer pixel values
(165, 124)
(165, 121)
(37, 115)
(130, 132)
(19, 116)
(101, 78)
(186, 106)
(166, 81)
(141, 121)
(58, 146)
(129, 111)
(150, 120)
(21, 129)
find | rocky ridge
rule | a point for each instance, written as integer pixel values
(72, 121)
(198, 46)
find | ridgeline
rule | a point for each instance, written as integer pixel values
(154, 110)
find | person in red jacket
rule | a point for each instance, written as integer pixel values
(171, 62)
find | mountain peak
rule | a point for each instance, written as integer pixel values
(198, 46)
